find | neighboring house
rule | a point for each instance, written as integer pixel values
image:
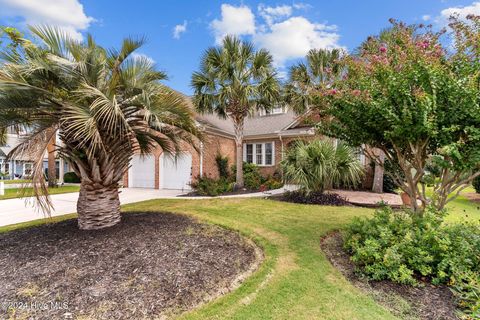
(267, 135)
(21, 167)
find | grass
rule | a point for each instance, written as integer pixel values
(15, 181)
(295, 281)
(461, 209)
(19, 192)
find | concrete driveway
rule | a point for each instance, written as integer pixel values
(22, 210)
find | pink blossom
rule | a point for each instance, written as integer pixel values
(356, 92)
(383, 49)
(333, 91)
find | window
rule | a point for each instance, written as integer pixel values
(274, 110)
(27, 169)
(261, 154)
(249, 153)
(268, 154)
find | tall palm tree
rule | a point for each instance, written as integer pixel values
(321, 68)
(233, 81)
(105, 104)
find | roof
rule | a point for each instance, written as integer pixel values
(274, 124)
(13, 140)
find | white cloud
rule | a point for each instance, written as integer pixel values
(294, 37)
(272, 14)
(285, 36)
(66, 14)
(235, 20)
(137, 55)
(461, 12)
(179, 29)
(426, 17)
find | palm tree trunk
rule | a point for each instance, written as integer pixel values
(98, 206)
(51, 170)
(238, 126)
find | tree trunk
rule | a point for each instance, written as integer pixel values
(51, 171)
(238, 126)
(378, 171)
(239, 176)
(98, 206)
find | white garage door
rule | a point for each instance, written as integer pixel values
(142, 172)
(175, 173)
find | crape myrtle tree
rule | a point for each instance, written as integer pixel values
(234, 80)
(404, 93)
(105, 105)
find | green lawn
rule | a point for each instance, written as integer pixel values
(462, 209)
(295, 281)
(15, 181)
(19, 192)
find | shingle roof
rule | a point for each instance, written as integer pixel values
(254, 126)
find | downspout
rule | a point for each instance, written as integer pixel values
(201, 159)
(281, 143)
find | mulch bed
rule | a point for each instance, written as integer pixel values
(326, 199)
(150, 265)
(425, 301)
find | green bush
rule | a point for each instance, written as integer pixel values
(206, 186)
(389, 185)
(320, 165)
(476, 184)
(71, 177)
(222, 166)
(402, 246)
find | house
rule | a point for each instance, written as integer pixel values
(267, 135)
(21, 167)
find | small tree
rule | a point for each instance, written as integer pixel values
(406, 96)
(233, 81)
(320, 165)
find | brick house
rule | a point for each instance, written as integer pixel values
(267, 136)
(20, 167)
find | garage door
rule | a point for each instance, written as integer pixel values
(142, 172)
(175, 173)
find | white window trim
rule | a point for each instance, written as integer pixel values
(272, 111)
(254, 154)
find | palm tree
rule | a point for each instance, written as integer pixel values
(233, 81)
(105, 104)
(321, 165)
(322, 67)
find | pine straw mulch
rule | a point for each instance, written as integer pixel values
(407, 302)
(151, 265)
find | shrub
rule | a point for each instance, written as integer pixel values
(320, 165)
(222, 166)
(328, 199)
(71, 177)
(389, 185)
(206, 186)
(253, 180)
(403, 246)
(476, 184)
(272, 183)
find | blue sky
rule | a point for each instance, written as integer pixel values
(287, 28)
